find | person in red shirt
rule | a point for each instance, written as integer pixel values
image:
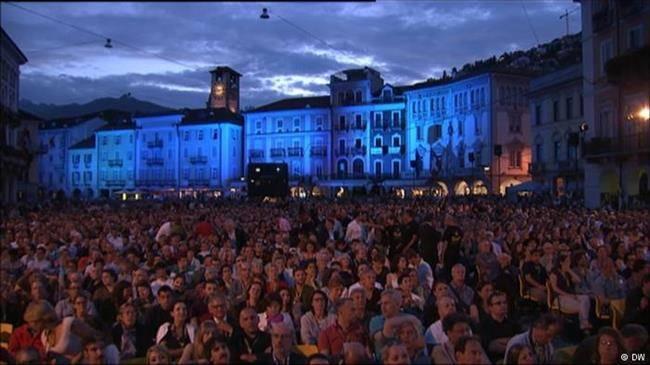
(29, 334)
(346, 329)
(203, 228)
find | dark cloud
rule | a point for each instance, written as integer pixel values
(406, 40)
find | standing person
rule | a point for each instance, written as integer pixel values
(429, 240)
(451, 246)
(409, 229)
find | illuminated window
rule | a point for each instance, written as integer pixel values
(199, 135)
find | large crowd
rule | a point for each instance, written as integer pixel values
(369, 281)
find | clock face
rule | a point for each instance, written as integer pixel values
(218, 89)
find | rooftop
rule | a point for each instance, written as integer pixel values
(210, 116)
(86, 143)
(295, 103)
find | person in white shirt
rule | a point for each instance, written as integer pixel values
(435, 335)
(355, 230)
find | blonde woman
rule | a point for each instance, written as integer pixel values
(200, 349)
(64, 337)
(158, 355)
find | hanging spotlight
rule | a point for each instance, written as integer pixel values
(265, 14)
(108, 43)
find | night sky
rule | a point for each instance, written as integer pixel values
(407, 41)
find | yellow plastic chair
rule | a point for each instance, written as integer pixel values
(6, 329)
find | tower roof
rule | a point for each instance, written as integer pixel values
(221, 69)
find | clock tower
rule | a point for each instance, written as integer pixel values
(224, 90)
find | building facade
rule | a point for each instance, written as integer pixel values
(557, 114)
(82, 169)
(56, 138)
(19, 148)
(116, 165)
(616, 44)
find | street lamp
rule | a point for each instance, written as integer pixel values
(644, 113)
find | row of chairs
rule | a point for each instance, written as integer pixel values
(604, 312)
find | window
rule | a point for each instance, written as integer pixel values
(88, 176)
(342, 122)
(378, 141)
(387, 95)
(556, 151)
(215, 134)
(357, 97)
(296, 124)
(413, 107)
(129, 156)
(515, 158)
(606, 52)
(357, 120)
(418, 133)
(357, 143)
(582, 108)
(104, 141)
(396, 141)
(378, 120)
(215, 173)
(556, 111)
(130, 138)
(396, 119)
(539, 152)
(477, 125)
(75, 178)
(88, 158)
(396, 168)
(75, 159)
(186, 136)
(460, 127)
(378, 168)
(319, 124)
(279, 125)
(199, 135)
(569, 108)
(538, 115)
(437, 132)
(634, 36)
(341, 98)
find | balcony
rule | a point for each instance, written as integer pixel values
(115, 162)
(154, 182)
(394, 150)
(628, 145)
(256, 153)
(153, 161)
(278, 152)
(320, 151)
(198, 182)
(295, 151)
(358, 151)
(155, 144)
(111, 183)
(602, 19)
(198, 160)
(376, 150)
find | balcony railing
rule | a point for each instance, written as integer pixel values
(295, 151)
(358, 151)
(256, 153)
(319, 151)
(198, 182)
(600, 147)
(278, 152)
(194, 160)
(152, 161)
(376, 150)
(116, 162)
(158, 143)
(154, 182)
(115, 182)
